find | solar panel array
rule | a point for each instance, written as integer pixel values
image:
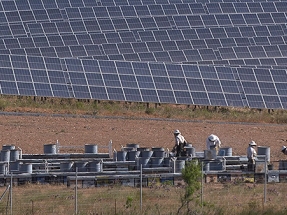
(201, 52)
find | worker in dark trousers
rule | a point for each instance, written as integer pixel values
(180, 142)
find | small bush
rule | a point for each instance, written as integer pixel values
(129, 202)
(150, 111)
(2, 105)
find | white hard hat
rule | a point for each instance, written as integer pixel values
(283, 148)
(176, 131)
(212, 137)
(252, 143)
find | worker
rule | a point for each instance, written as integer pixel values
(283, 150)
(251, 155)
(213, 143)
(180, 142)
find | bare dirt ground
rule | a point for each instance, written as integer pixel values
(31, 132)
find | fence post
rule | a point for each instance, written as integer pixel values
(76, 192)
(202, 175)
(141, 189)
(265, 180)
(11, 199)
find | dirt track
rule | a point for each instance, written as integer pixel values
(31, 132)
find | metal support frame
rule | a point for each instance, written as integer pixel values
(109, 147)
(224, 163)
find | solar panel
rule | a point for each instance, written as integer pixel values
(125, 48)
(154, 46)
(248, 35)
(22, 5)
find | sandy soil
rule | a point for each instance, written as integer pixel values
(31, 132)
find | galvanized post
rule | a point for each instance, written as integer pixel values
(174, 166)
(201, 199)
(20, 156)
(111, 148)
(76, 193)
(265, 180)
(141, 188)
(224, 163)
(57, 147)
(11, 202)
(46, 166)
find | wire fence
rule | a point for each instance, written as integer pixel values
(230, 192)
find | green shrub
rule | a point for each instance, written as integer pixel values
(2, 105)
(149, 111)
(129, 202)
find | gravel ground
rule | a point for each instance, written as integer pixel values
(31, 131)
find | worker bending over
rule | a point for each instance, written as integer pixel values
(213, 143)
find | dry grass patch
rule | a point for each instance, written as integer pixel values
(218, 198)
